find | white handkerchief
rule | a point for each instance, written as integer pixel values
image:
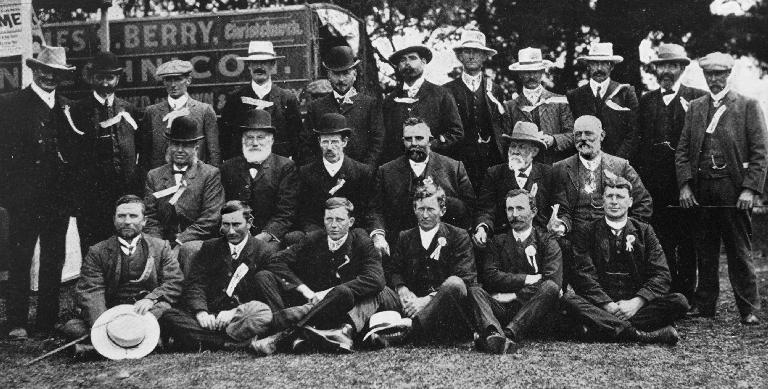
(405, 100)
(259, 103)
(239, 274)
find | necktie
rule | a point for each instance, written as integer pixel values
(128, 249)
(182, 172)
(598, 95)
(234, 254)
(254, 165)
(668, 92)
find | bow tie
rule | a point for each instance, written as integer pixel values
(522, 175)
(668, 92)
(254, 165)
(182, 172)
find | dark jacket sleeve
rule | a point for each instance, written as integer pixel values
(91, 287)
(463, 258)
(153, 227)
(496, 280)
(656, 272)
(552, 264)
(754, 174)
(585, 278)
(628, 146)
(376, 219)
(293, 121)
(642, 206)
(485, 211)
(375, 134)
(466, 195)
(560, 182)
(208, 220)
(195, 286)
(564, 140)
(450, 123)
(394, 265)
(370, 281)
(211, 131)
(170, 280)
(285, 211)
(282, 262)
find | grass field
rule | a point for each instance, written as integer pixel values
(712, 353)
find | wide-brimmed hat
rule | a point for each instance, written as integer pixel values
(106, 63)
(257, 119)
(333, 123)
(121, 333)
(340, 58)
(174, 67)
(422, 50)
(53, 58)
(530, 59)
(183, 129)
(474, 40)
(260, 51)
(388, 322)
(602, 51)
(526, 131)
(670, 52)
(716, 61)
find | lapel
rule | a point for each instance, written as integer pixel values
(343, 250)
(248, 250)
(442, 232)
(226, 254)
(612, 85)
(433, 169)
(508, 178)
(602, 238)
(113, 256)
(266, 168)
(523, 101)
(572, 167)
(401, 168)
(699, 123)
(534, 177)
(607, 163)
(166, 174)
(345, 108)
(722, 126)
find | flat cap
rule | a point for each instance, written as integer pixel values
(174, 68)
(716, 61)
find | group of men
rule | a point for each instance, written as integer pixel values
(440, 212)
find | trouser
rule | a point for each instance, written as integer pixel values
(675, 229)
(527, 312)
(77, 327)
(732, 227)
(26, 225)
(601, 325)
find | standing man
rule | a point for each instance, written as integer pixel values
(267, 182)
(33, 170)
(661, 118)
(362, 112)
(417, 97)
(478, 99)
(547, 110)
(613, 103)
(108, 151)
(177, 77)
(721, 161)
(281, 104)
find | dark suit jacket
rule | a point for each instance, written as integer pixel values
(656, 160)
(591, 248)
(197, 209)
(212, 269)
(435, 106)
(286, 119)
(355, 265)
(565, 176)
(409, 265)
(153, 130)
(742, 132)
(620, 126)
(315, 184)
(100, 275)
(499, 123)
(504, 269)
(274, 192)
(363, 117)
(555, 118)
(392, 209)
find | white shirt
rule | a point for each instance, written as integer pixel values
(128, 248)
(418, 167)
(110, 99)
(49, 98)
(603, 86)
(521, 181)
(177, 104)
(333, 168)
(413, 90)
(717, 98)
(238, 248)
(522, 236)
(334, 245)
(347, 97)
(177, 176)
(261, 90)
(472, 82)
(427, 236)
(593, 164)
(533, 95)
(668, 98)
(616, 226)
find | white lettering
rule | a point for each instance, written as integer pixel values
(131, 36)
(168, 33)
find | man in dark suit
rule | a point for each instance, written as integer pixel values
(108, 151)
(267, 182)
(621, 278)
(221, 309)
(363, 112)
(36, 187)
(535, 104)
(281, 104)
(397, 180)
(613, 103)
(478, 99)
(177, 77)
(661, 118)
(721, 162)
(416, 97)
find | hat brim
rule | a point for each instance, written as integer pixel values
(530, 67)
(34, 63)
(476, 46)
(601, 58)
(249, 128)
(260, 58)
(341, 131)
(400, 324)
(104, 346)
(167, 135)
(683, 60)
(107, 71)
(423, 51)
(517, 137)
(342, 68)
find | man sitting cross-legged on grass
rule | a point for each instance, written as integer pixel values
(621, 277)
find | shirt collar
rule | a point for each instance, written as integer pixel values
(616, 225)
(262, 90)
(334, 245)
(428, 236)
(238, 248)
(133, 241)
(182, 168)
(533, 95)
(603, 86)
(415, 86)
(470, 80)
(527, 171)
(522, 236)
(721, 95)
(352, 92)
(110, 98)
(333, 168)
(593, 164)
(418, 167)
(178, 103)
(49, 98)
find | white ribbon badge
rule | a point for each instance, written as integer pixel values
(488, 88)
(405, 100)
(551, 100)
(147, 271)
(339, 183)
(71, 123)
(174, 114)
(239, 274)
(716, 119)
(116, 119)
(258, 103)
(441, 242)
(530, 254)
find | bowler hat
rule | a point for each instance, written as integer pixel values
(106, 63)
(601, 51)
(52, 58)
(526, 131)
(333, 123)
(121, 333)
(421, 50)
(670, 52)
(257, 119)
(340, 58)
(260, 51)
(184, 129)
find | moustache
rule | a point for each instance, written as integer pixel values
(599, 73)
(259, 71)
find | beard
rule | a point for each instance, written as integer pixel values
(517, 163)
(417, 153)
(254, 155)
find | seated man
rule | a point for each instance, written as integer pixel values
(219, 294)
(339, 271)
(621, 277)
(523, 270)
(127, 268)
(433, 271)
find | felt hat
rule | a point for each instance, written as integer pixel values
(106, 63)
(174, 67)
(530, 59)
(389, 323)
(340, 58)
(183, 129)
(257, 119)
(121, 333)
(333, 123)
(670, 52)
(602, 51)
(423, 51)
(52, 58)
(716, 62)
(474, 40)
(260, 51)
(526, 131)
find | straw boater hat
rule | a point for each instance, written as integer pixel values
(121, 333)
(340, 58)
(474, 40)
(670, 52)
(423, 51)
(601, 52)
(716, 62)
(260, 51)
(530, 59)
(257, 119)
(183, 129)
(52, 58)
(106, 63)
(528, 132)
(333, 123)
(389, 324)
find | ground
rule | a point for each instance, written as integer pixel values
(712, 353)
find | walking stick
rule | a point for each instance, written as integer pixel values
(48, 354)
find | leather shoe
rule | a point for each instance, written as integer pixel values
(301, 345)
(337, 340)
(699, 312)
(666, 335)
(268, 346)
(18, 333)
(750, 320)
(496, 343)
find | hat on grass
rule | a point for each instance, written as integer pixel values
(121, 333)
